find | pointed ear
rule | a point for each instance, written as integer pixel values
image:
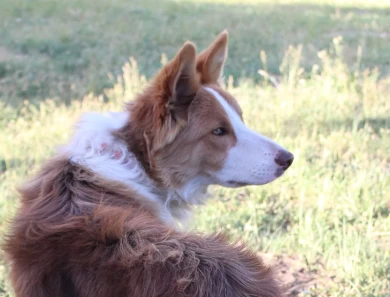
(174, 88)
(186, 81)
(211, 61)
(179, 82)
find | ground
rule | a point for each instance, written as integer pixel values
(313, 75)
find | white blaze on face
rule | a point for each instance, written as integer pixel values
(252, 160)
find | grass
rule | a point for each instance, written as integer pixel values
(327, 101)
(64, 49)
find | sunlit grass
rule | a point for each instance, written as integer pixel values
(333, 204)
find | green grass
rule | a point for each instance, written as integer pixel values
(332, 206)
(64, 49)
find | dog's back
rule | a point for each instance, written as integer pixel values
(114, 246)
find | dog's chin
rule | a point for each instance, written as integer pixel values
(253, 181)
(239, 184)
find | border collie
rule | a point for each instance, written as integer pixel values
(100, 218)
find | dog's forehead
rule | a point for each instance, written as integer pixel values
(207, 100)
(229, 99)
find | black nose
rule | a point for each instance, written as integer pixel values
(284, 159)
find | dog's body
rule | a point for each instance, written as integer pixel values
(98, 220)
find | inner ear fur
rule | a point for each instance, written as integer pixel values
(211, 61)
(183, 82)
(175, 87)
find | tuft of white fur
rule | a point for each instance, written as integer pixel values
(94, 146)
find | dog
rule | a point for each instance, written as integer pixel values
(102, 216)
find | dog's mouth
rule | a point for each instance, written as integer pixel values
(237, 184)
(280, 171)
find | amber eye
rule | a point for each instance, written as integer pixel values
(219, 131)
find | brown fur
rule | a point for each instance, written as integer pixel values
(77, 234)
(115, 246)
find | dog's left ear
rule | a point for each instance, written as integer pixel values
(211, 61)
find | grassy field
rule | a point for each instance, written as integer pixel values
(323, 92)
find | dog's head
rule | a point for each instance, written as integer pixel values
(193, 130)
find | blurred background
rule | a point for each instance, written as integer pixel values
(314, 75)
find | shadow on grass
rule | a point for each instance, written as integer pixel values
(375, 123)
(14, 163)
